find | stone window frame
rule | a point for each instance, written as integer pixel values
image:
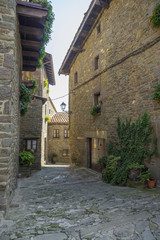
(66, 133)
(65, 152)
(33, 144)
(75, 78)
(56, 133)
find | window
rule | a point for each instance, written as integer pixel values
(55, 133)
(97, 98)
(65, 153)
(31, 144)
(66, 133)
(76, 78)
(96, 63)
(98, 29)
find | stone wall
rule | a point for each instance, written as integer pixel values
(57, 145)
(10, 74)
(129, 65)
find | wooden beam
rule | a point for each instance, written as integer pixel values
(30, 54)
(29, 68)
(31, 30)
(31, 10)
(29, 43)
(30, 63)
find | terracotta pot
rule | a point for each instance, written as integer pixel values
(151, 183)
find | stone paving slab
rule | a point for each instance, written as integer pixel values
(67, 203)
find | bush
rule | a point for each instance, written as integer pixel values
(112, 164)
(102, 161)
(45, 83)
(135, 144)
(26, 157)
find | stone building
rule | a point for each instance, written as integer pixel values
(33, 126)
(21, 27)
(58, 138)
(113, 61)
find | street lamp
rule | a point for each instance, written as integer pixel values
(63, 106)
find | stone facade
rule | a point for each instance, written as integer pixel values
(128, 65)
(59, 143)
(10, 76)
(34, 127)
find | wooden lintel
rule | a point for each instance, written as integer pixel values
(29, 68)
(34, 44)
(31, 30)
(30, 62)
(31, 11)
(30, 54)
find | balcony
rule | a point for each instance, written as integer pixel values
(32, 19)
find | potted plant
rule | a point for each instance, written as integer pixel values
(154, 20)
(146, 177)
(95, 109)
(53, 158)
(26, 159)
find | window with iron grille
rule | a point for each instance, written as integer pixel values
(96, 63)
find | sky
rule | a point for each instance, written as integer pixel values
(68, 17)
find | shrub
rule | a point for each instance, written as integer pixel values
(47, 90)
(146, 176)
(26, 157)
(102, 161)
(135, 144)
(112, 164)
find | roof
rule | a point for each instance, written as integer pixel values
(52, 104)
(32, 19)
(48, 64)
(60, 118)
(92, 15)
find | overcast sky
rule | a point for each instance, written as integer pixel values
(68, 16)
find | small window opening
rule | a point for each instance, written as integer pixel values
(98, 29)
(96, 63)
(76, 78)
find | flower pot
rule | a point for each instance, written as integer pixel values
(151, 183)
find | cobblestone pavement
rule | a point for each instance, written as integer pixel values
(64, 203)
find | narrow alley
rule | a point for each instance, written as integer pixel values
(68, 203)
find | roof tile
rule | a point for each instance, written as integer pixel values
(60, 117)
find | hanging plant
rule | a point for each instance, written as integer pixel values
(26, 96)
(95, 109)
(47, 28)
(154, 20)
(156, 93)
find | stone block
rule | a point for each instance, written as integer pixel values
(5, 119)
(6, 142)
(5, 135)
(5, 152)
(6, 127)
(8, 18)
(1, 60)
(6, 25)
(8, 61)
(5, 91)
(7, 108)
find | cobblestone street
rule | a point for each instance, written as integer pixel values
(64, 203)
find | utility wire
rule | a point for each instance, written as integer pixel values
(60, 97)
